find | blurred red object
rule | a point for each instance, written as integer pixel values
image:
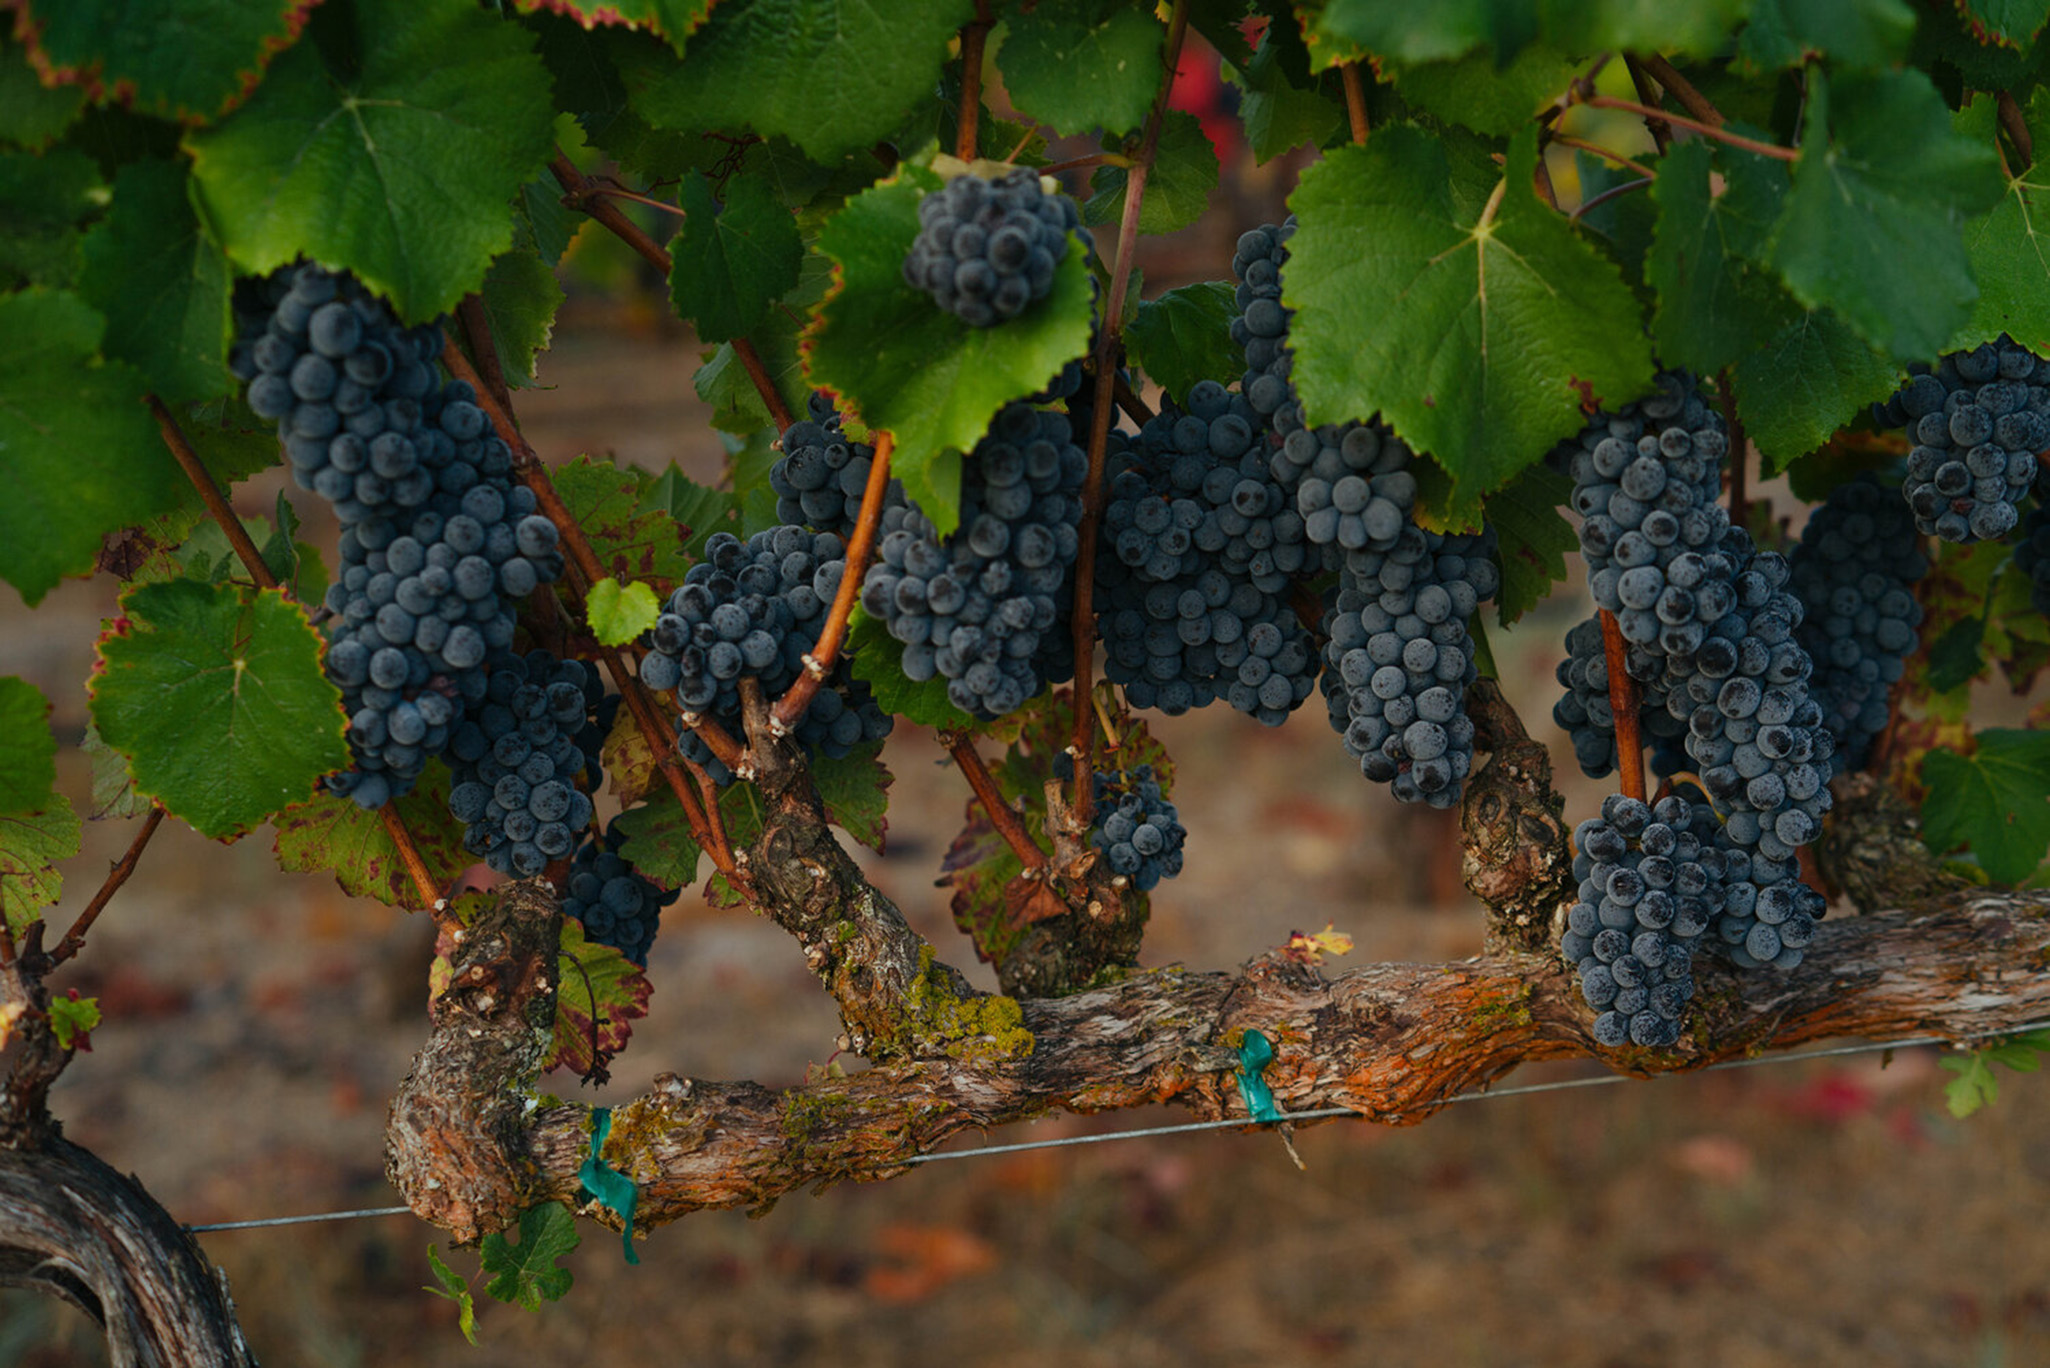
(1199, 89)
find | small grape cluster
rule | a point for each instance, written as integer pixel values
(437, 540)
(1977, 421)
(517, 760)
(987, 249)
(1651, 881)
(821, 475)
(1136, 827)
(617, 905)
(982, 608)
(1854, 571)
(1398, 659)
(752, 609)
(2032, 555)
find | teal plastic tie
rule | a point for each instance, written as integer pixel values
(606, 1185)
(1255, 1054)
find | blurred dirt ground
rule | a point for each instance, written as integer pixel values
(1826, 1213)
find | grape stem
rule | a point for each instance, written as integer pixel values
(1701, 126)
(1740, 503)
(1128, 399)
(118, 875)
(1108, 345)
(1001, 815)
(1676, 85)
(972, 35)
(1083, 163)
(1606, 154)
(483, 351)
(1623, 703)
(1654, 124)
(2016, 127)
(1613, 192)
(1355, 100)
(818, 663)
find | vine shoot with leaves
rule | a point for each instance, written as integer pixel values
(1733, 317)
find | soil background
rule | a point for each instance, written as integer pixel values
(1823, 1213)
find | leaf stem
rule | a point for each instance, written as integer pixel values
(1355, 100)
(1701, 126)
(210, 495)
(2016, 127)
(1623, 703)
(1613, 192)
(1107, 350)
(1083, 163)
(118, 875)
(1001, 815)
(1606, 154)
(621, 192)
(1128, 399)
(772, 398)
(1679, 87)
(790, 708)
(483, 350)
(972, 35)
(1740, 505)
(1654, 124)
(409, 856)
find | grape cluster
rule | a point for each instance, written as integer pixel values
(1398, 659)
(1854, 572)
(1977, 421)
(617, 905)
(982, 608)
(821, 475)
(1651, 882)
(752, 609)
(517, 759)
(2032, 555)
(987, 249)
(437, 541)
(1136, 827)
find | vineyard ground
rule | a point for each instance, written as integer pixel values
(1821, 1213)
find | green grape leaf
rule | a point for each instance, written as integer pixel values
(189, 60)
(675, 20)
(31, 845)
(216, 697)
(1857, 33)
(333, 835)
(1476, 331)
(42, 201)
(521, 295)
(1178, 189)
(1995, 801)
(1974, 1087)
(113, 789)
(599, 994)
(72, 1020)
(1080, 65)
(906, 365)
(1714, 301)
(32, 115)
(1421, 33)
(454, 1287)
(1798, 386)
(830, 75)
(733, 260)
(83, 458)
(390, 146)
(698, 510)
(856, 791)
(1608, 25)
(619, 614)
(658, 842)
(162, 284)
(1871, 224)
(1958, 656)
(2010, 23)
(526, 1272)
(1535, 538)
(1471, 91)
(28, 749)
(1185, 336)
(631, 543)
(2010, 258)
(877, 663)
(1278, 113)
(724, 383)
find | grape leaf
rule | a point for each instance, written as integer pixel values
(732, 261)
(619, 614)
(327, 834)
(1278, 113)
(28, 749)
(1535, 538)
(1421, 33)
(698, 510)
(658, 841)
(830, 75)
(32, 115)
(1607, 25)
(43, 199)
(455, 1288)
(1995, 800)
(83, 458)
(162, 284)
(1798, 386)
(1714, 301)
(722, 382)
(2010, 23)
(521, 295)
(113, 789)
(526, 1272)
(629, 541)
(189, 60)
(72, 1019)
(390, 146)
(216, 697)
(1185, 336)
(675, 20)
(906, 365)
(1178, 189)
(1857, 33)
(1474, 92)
(31, 844)
(599, 993)
(1476, 332)
(1870, 226)
(856, 791)
(2008, 254)
(1079, 65)
(877, 656)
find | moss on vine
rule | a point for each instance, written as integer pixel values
(977, 1029)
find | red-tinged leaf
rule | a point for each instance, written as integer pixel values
(31, 844)
(599, 994)
(630, 761)
(675, 20)
(630, 543)
(335, 835)
(190, 60)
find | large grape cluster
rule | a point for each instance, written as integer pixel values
(1136, 827)
(437, 543)
(1977, 421)
(1854, 572)
(516, 762)
(2032, 555)
(987, 249)
(617, 905)
(1398, 659)
(752, 609)
(982, 607)
(1651, 882)
(821, 475)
